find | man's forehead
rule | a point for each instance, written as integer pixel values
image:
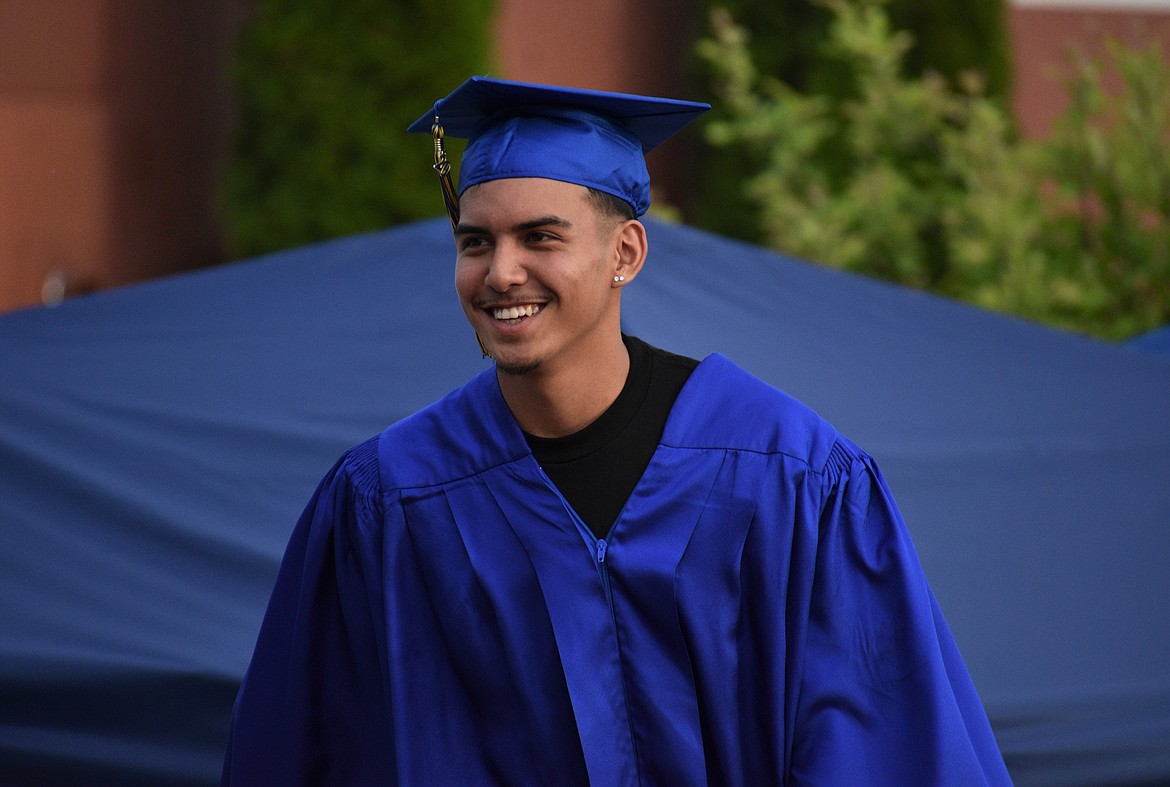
(520, 193)
(516, 205)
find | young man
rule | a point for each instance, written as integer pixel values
(597, 562)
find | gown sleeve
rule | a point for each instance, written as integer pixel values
(884, 695)
(311, 708)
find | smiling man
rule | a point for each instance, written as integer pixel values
(538, 272)
(597, 562)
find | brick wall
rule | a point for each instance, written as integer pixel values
(113, 120)
(1044, 35)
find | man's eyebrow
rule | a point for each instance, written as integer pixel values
(470, 229)
(543, 221)
(524, 226)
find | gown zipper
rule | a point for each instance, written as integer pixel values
(603, 570)
(600, 548)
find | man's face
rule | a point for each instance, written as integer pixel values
(534, 268)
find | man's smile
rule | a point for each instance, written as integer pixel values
(514, 313)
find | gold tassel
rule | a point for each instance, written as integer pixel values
(450, 196)
(443, 167)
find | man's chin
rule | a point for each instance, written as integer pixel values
(517, 368)
(515, 359)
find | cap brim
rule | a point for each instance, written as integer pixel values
(650, 119)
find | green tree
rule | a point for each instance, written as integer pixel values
(789, 41)
(914, 180)
(325, 91)
(1107, 200)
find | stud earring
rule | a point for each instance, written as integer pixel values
(619, 278)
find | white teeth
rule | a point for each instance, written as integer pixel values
(515, 312)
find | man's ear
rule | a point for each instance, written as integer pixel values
(630, 249)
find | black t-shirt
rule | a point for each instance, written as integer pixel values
(598, 467)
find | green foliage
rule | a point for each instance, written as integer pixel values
(325, 91)
(923, 183)
(789, 41)
(951, 37)
(1109, 203)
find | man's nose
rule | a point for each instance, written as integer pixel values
(506, 268)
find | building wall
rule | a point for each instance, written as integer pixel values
(1046, 33)
(113, 121)
(53, 206)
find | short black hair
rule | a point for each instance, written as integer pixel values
(611, 206)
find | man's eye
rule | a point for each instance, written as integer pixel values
(472, 243)
(538, 237)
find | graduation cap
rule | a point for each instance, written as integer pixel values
(592, 138)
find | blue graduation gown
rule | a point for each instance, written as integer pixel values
(757, 615)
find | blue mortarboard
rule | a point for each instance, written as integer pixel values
(588, 137)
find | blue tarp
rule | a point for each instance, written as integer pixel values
(1155, 341)
(158, 442)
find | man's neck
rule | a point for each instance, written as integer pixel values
(554, 402)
